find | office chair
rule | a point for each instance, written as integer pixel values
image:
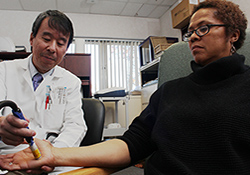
(175, 62)
(94, 115)
(245, 49)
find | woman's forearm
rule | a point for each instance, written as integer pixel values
(112, 153)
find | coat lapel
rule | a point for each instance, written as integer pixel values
(24, 64)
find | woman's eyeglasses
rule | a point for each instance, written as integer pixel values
(201, 31)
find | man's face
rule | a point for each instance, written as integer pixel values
(48, 47)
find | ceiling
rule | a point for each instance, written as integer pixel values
(132, 8)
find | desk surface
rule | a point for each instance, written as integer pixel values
(91, 171)
(112, 98)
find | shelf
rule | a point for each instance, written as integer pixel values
(113, 132)
(147, 47)
(13, 55)
(149, 72)
(79, 64)
(150, 51)
(151, 65)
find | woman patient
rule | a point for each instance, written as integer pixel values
(199, 124)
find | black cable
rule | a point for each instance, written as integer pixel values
(9, 103)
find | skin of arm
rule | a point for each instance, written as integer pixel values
(113, 153)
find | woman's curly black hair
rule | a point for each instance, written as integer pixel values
(228, 13)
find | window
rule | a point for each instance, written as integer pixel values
(113, 64)
(71, 48)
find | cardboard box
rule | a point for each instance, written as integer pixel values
(161, 47)
(182, 12)
(156, 40)
(147, 47)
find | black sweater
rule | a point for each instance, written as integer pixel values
(199, 124)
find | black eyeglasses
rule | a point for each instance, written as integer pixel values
(201, 31)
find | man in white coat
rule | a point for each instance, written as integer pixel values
(53, 110)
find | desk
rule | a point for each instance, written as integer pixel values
(116, 131)
(91, 171)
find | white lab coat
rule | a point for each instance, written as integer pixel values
(64, 118)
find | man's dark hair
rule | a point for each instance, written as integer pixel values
(57, 20)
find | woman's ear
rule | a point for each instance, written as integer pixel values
(235, 36)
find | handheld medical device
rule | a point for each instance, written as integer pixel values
(18, 113)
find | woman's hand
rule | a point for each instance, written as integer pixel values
(24, 160)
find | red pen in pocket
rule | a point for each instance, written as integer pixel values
(46, 101)
(48, 98)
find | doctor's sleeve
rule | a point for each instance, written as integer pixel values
(2, 83)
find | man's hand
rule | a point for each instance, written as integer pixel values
(24, 160)
(13, 130)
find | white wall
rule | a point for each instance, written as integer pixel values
(113, 26)
(166, 20)
(244, 6)
(166, 25)
(17, 25)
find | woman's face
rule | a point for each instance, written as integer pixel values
(212, 46)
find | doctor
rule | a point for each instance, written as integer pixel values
(53, 109)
